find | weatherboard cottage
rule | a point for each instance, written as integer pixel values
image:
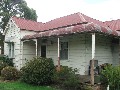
(71, 41)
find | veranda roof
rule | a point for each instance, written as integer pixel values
(89, 27)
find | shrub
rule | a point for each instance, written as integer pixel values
(7, 60)
(111, 76)
(38, 71)
(67, 77)
(87, 87)
(10, 73)
(2, 65)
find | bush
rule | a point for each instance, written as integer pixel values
(111, 76)
(67, 77)
(10, 73)
(86, 87)
(7, 60)
(2, 65)
(38, 71)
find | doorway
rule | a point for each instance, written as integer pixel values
(43, 51)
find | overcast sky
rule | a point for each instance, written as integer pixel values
(98, 9)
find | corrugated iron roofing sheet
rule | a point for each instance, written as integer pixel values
(114, 24)
(28, 24)
(65, 21)
(59, 22)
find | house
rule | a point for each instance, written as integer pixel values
(71, 40)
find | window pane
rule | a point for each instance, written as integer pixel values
(12, 49)
(64, 51)
(9, 45)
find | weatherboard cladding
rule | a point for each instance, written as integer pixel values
(77, 23)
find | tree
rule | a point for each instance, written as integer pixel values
(27, 12)
(9, 8)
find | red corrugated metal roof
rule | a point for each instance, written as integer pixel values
(59, 22)
(65, 21)
(89, 19)
(28, 24)
(114, 24)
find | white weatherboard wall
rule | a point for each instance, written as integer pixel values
(29, 51)
(26, 32)
(14, 31)
(115, 48)
(104, 49)
(80, 51)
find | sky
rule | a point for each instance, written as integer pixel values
(103, 10)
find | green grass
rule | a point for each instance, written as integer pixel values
(22, 86)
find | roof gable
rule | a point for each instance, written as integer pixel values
(8, 26)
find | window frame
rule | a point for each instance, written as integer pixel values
(11, 50)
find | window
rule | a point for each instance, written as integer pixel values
(64, 51)
(43, 51)
(11, 50)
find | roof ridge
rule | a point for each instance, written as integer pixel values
(81, 16)
(111, 20)
(92, 18)
(61, 17)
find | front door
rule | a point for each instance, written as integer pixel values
(43, 51)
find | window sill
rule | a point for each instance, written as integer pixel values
(64, 59)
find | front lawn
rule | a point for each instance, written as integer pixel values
(22, 86)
